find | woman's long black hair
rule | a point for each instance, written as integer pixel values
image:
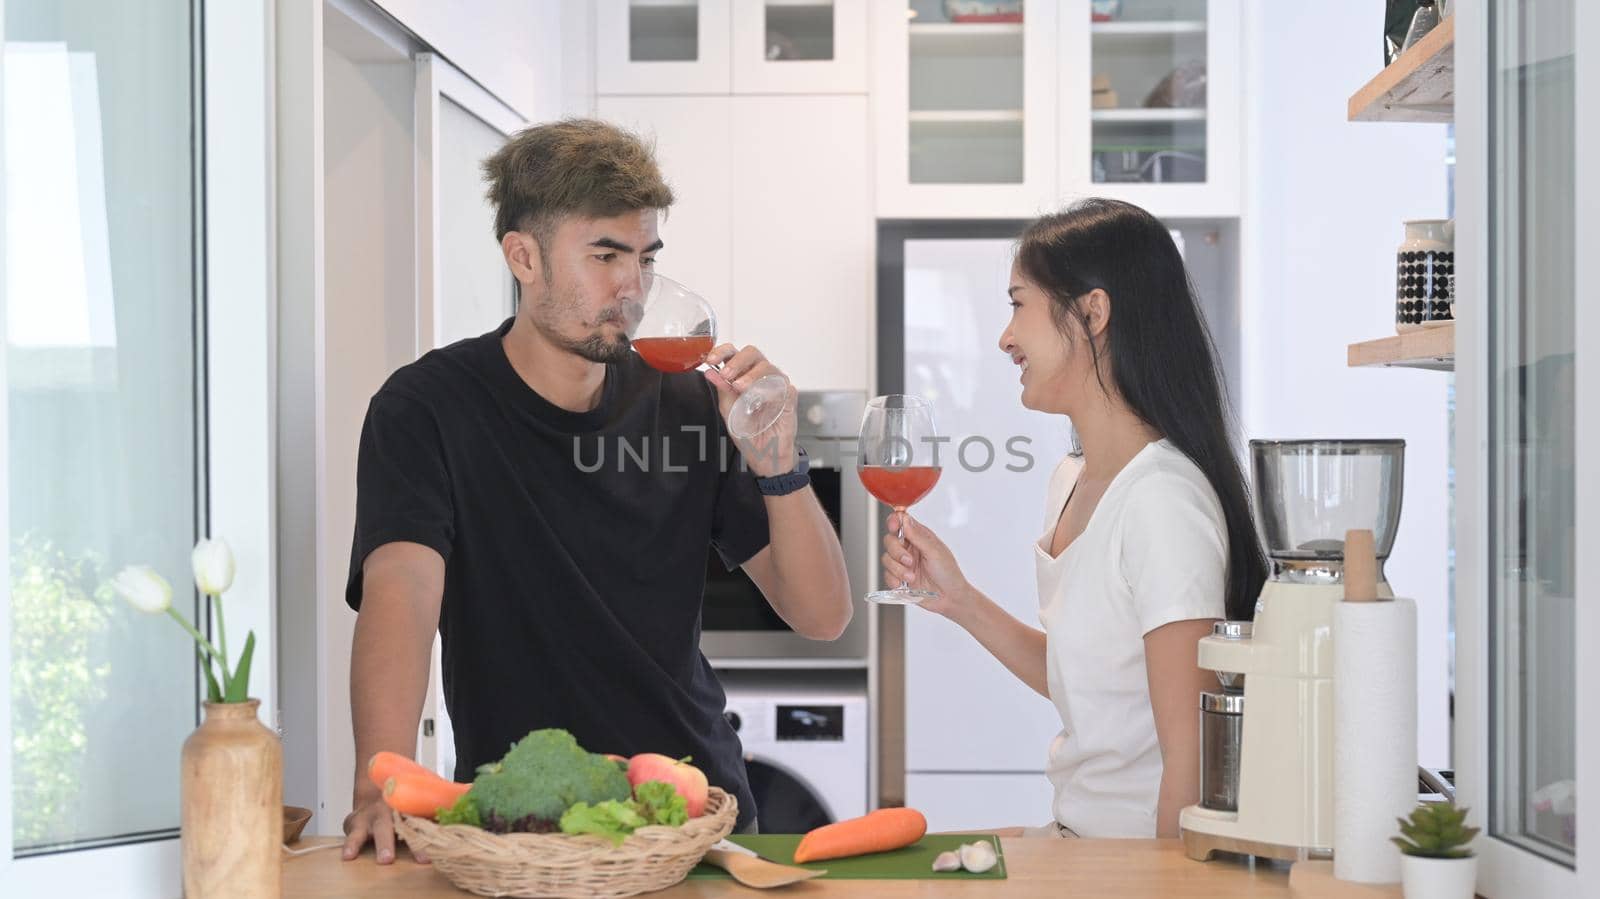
(1160, 355)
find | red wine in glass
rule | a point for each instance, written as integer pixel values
(899, 487)
(673, 354)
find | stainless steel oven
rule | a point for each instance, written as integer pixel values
(737, 623)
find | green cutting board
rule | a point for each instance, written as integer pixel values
(915, 862)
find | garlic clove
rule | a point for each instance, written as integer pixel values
(978, 857)
(947, 861)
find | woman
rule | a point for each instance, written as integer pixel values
(1148, 536)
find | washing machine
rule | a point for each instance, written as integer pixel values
(805, 737)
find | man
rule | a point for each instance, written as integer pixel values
(569, 595)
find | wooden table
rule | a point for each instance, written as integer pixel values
(1037, 866)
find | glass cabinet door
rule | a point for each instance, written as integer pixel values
(966, 119)
(1152, 101)
(800, 46)
(663, 31)
(974, 84)
(797, 30)
(1148, 78)
(662, 46)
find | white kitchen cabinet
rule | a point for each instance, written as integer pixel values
(980, 801)
(996, 119)
(965, 112)
(772, 222)
(1129, 129)
(716, 47)
(802, 249)
(662, 46)
(694, 147)
(800, 47)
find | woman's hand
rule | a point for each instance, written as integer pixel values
(922, 560)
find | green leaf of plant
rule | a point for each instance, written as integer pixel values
(1436, 830)
(213, 692)
(239, 686)
(1406, 846)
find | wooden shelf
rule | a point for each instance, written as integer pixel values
(1429, 348)
(1420, 86)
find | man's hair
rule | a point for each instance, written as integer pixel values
(573, 167)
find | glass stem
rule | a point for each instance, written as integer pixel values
(901, 536)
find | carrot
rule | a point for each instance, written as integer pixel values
(384, 765)
(421, 795)
(879, 831)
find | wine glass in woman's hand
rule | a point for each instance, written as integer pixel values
(898, 463)
(915, 556)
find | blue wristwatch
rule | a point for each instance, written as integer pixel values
(785, 484)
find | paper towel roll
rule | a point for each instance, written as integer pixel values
(1374, 735)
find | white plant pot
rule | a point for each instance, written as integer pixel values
(1439, 878)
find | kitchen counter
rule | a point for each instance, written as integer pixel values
(1037, 866)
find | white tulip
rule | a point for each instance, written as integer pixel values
(213, 566)
(143, 589)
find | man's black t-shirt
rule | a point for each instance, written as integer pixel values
(574, 547)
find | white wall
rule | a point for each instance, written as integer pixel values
(1324, 202)
(507, 46)
(369, 329)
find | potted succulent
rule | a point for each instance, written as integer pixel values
(1438, 862)
(232, 765)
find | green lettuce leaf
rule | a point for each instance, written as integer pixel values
(661, 803)
(610, 819)
(465, 811)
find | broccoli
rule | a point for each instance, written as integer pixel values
(543, 775)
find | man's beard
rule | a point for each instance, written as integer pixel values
(595, 346)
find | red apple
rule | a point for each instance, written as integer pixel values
(689, 781)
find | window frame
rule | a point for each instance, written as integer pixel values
(1507, 869)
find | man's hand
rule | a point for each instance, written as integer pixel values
(771, 452)
(372, 821)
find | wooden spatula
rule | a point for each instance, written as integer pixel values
(754, 871)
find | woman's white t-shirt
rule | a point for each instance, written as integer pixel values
(1155, 551)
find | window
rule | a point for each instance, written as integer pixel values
(103, 382)
(1532, 427)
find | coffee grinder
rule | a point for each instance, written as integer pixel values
(1277, 674)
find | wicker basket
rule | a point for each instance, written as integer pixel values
(557, 864)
